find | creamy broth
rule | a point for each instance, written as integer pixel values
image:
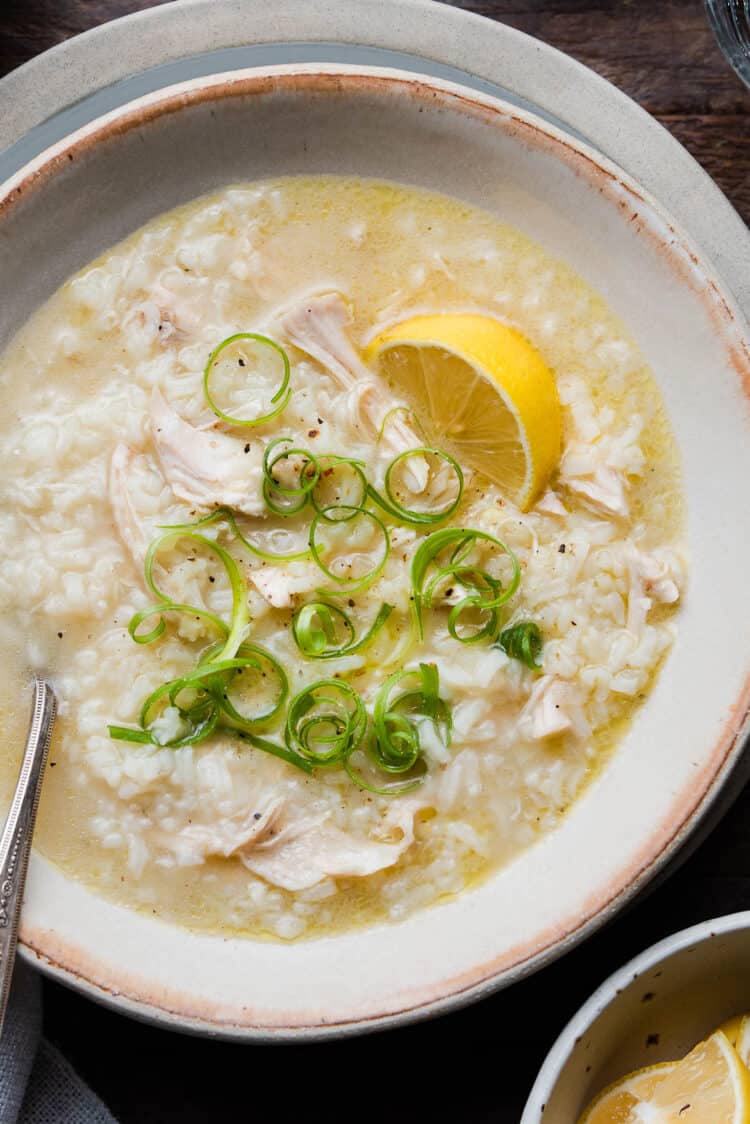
(131, 821)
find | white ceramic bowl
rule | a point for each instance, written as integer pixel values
(90, 190)
(654, 1009)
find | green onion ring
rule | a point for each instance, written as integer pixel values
(240, 621)
(282, 395)
(397, 510)
(315, 549)
(317, 641)
(224, 514)
(394, 745)
(333, 462)
(463, 540)
(252, 653)
(270, 485)
(325, 722)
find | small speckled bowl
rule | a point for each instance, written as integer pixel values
(96, 186)
(654, 1009)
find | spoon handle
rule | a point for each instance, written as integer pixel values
(15, 842)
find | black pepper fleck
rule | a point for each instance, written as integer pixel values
(561, 548)
(60, 635)
(247, 448)
(652, 1040)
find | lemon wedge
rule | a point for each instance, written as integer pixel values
(743, 1040)
(709, 1086)
(483, 388)
(733, 1029)
(617, 1103)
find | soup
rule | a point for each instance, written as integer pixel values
(225, 563)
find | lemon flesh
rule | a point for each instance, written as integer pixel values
(709, 1086)
(480, 386)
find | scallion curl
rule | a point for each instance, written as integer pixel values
(297, 496)
(282, 395)
(415, 516)
(394, 746)
(225, 515)
(489, 592)
(315, 628)
(345, 514)
(325, 722)
(240, 620)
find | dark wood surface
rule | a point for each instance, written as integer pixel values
(478, 1064)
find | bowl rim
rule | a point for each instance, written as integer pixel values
(543, 75)
(728, 748)
(609, 990)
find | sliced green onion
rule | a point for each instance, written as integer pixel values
(325, 722)
(259, 659)
(489, 593)
(240, 616)
(307, 480)
(275, 750)
(315, 628)
(416, 516)
(282, 395)
(394, 746)
(162, 607)
(347, 513)
(225, 515)
(523, 641)
(330, 468)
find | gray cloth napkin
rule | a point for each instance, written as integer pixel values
(37, 1084)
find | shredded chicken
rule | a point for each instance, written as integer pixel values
(551, 504)
(656, 576)
(128, 524)
(208, 469)
(295, 852)
(307, 851)
(545, 712)
(317, 326)
(278, 586)
(194, 843)
(603, 491)
(651, 579)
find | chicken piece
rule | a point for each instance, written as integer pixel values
(128, 524)
(307, 851)
(545, 715)
(278, 586)
(550, 504)
(317, 326)
(207, 469)
(194, 843)
(656, 577)
(603, 492)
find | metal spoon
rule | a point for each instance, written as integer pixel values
(15, 843)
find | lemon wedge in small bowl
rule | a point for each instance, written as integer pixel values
(710, 1086)
(482, 387)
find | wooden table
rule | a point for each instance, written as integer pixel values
(476, 1065)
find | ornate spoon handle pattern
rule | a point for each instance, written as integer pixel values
(15, 843)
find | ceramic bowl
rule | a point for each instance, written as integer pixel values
(654, 1009)
(93, 188)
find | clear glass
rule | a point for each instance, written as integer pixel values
(731, 23)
